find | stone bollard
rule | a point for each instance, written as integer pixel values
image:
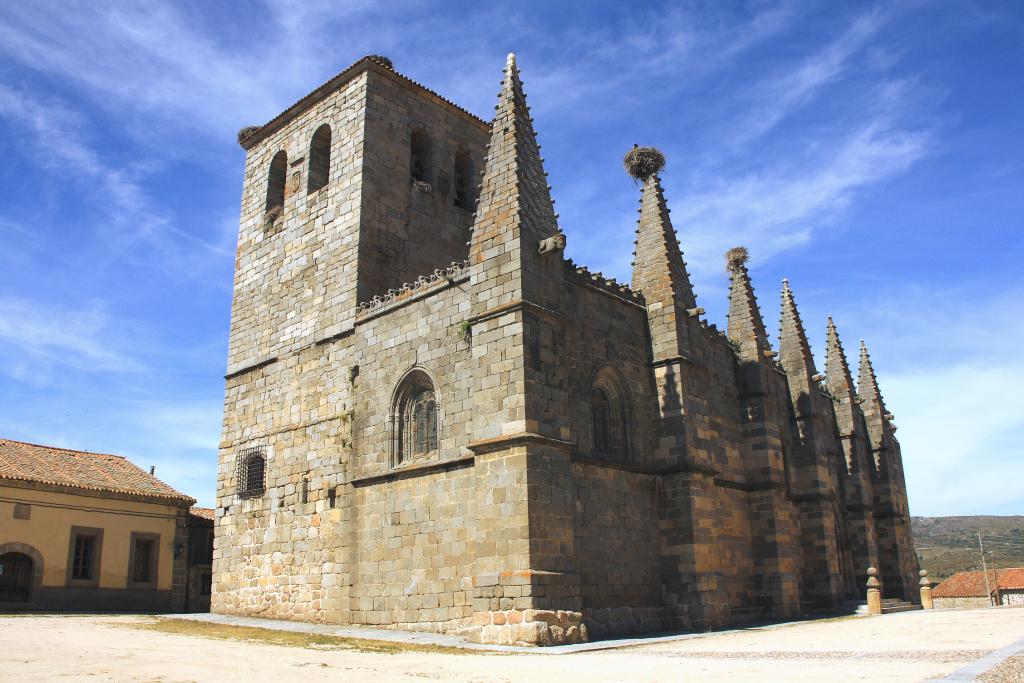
(926, 591)
(874, 592)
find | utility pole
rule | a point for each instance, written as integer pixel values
(984, 569)
(995, 572)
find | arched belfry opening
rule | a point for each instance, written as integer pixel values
(276, 180)
(465, 186)
(421, 156)
(319, 159)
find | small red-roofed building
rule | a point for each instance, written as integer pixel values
(92, 532)
(970, 589)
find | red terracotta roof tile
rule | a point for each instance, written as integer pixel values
(204, 513)
(80, 470)
(972, 584)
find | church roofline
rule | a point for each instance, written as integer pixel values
(367, 63)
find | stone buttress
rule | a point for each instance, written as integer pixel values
(691, 577)
(860, 466)
(526, 588)
(899, 567)
(764, 405)
(817, 478)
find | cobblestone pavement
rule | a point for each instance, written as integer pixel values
(911, 646)
(1011, 670)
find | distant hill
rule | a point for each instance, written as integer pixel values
(946, 545)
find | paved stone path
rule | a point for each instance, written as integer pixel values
(983, 644)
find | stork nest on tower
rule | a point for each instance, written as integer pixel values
(736, 257)
(246, 133)
(643, 162)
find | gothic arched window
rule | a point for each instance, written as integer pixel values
(465, 194)
(610, 416)
(415, 418)
(421, 156)
(319, 159)
(276, 180)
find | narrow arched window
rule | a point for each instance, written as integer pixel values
(465, 190)
(421, 156)
(252, 472)
(415, 419)
(610, 415)
(276, 180)
(319, 159)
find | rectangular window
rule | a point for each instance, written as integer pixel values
(85, 549)
(143, 557)
(142, 562)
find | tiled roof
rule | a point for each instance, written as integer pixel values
(972, 584)
(333, 84)
(80, 470)
(204, 513)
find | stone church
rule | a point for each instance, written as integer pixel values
(433, 420)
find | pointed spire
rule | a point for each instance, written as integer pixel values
(514, 193)
(867, 383)
(746, 327)
(657, 258)
(837, 371)
(794, 349)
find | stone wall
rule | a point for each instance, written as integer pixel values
(726, 499)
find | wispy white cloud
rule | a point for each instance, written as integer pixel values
(58, 135)
(87, 339)
(781, 206)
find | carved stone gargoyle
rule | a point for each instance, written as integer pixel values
(553, 243)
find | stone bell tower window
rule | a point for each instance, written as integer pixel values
(465, 195)
(276, 181)
(319, 159)
(421, 156)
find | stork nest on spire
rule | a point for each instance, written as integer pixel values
(246, 133)
(643, 162)
(382, 60)
(736, 257)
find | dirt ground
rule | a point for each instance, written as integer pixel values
(899, 647)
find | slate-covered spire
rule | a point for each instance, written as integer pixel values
(746, 327)
(867, 383)
(794, 349)
(837, 371)
(659, 272)
(515, 202)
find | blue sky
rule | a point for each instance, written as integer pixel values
(870, 153)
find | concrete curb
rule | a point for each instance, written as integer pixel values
(422, 638)
(972, 671)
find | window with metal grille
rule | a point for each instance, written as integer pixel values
(84, 554)
(252, 466)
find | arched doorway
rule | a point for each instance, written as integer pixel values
(15, 577)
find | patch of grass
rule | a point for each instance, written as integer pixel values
(265, 636)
